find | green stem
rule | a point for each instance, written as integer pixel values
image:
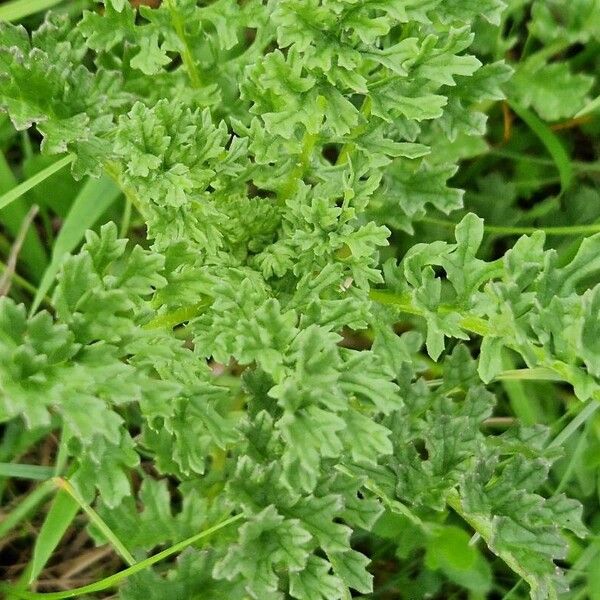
(290, 186)
(403, 303)
(114, 172)
(565, 230)
(482, 327)
(348, 147)
(186, 54)
(114, 580)
(581, 166)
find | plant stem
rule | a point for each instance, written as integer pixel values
(126, 218)
(290, 186)
(114, 172)
(403, 303)
(516, 230)
(186, 54)
(580, 166)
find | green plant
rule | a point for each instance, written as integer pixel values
(269, 149)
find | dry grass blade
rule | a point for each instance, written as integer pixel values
(11, 263)
(73, 567)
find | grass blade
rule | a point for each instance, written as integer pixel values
(558, 231)
(19, 9)
(13, 255)
(522, 398)
(95, 518)
(59, 517)
(528, 374)
(25, 471)
(586, 413)
(33, 255)
(18, 280)
(30, 183)
(24, 508)
(590, 107)
(114, 580)
(551, 143)
(89, 205)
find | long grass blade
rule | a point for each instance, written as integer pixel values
(30, 183)
(95, 518)
(586, 413)
(590, 107)
(558, 231)
(523, 400)
(19, 9)
(114, 580)
(25, 471)
(59, 518)
(550, 142)
(529, 374)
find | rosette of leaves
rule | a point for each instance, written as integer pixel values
(267, 145)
